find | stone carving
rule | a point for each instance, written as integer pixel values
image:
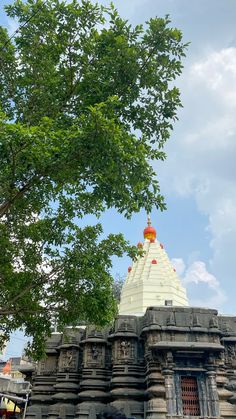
(157, 357)
(171, 320)
(153, 337)
(211, 359)
(221, 358)
(196, 321)
(214, 324)
(125, 348)
(230, 353)
(47, 366)
(153, 377)
(93, 355)
(125, 326)
(151, 317)
(94, 352)
(169, 357)
(67, 360)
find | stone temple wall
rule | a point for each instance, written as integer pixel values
(173, 362)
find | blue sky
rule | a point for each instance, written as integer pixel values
(198, 178)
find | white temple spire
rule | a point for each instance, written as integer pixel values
(151, 280)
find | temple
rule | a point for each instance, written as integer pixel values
(161, 358)
(152, 280)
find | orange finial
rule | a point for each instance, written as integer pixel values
(149, 232)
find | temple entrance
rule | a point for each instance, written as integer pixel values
(190, 396)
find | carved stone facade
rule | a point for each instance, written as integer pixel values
(174, 362)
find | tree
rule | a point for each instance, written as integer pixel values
(87, 102)
(117, 285)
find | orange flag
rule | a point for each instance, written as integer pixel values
(7, 368)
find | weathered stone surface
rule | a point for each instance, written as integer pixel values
(137, 366)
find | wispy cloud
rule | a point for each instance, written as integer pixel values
(203, 288)
(201, 160)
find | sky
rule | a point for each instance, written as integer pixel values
(198, 177)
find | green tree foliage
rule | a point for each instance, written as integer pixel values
(87, 102)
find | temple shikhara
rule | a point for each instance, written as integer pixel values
(161, 359)
(152, 280)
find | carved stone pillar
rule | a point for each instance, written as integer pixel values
(156, 390)
(212, 396)
(127, 385)
(231, 386)
(93, 391)
(226, 408)
(230, 374)
(227, 366)
(44, 380)
(170, 392)
(67, 382)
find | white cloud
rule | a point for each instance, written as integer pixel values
(203, 288)
(218, 74)
(202, 160)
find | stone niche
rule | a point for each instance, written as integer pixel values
(174, 362)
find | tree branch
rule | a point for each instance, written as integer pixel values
(8, 203)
